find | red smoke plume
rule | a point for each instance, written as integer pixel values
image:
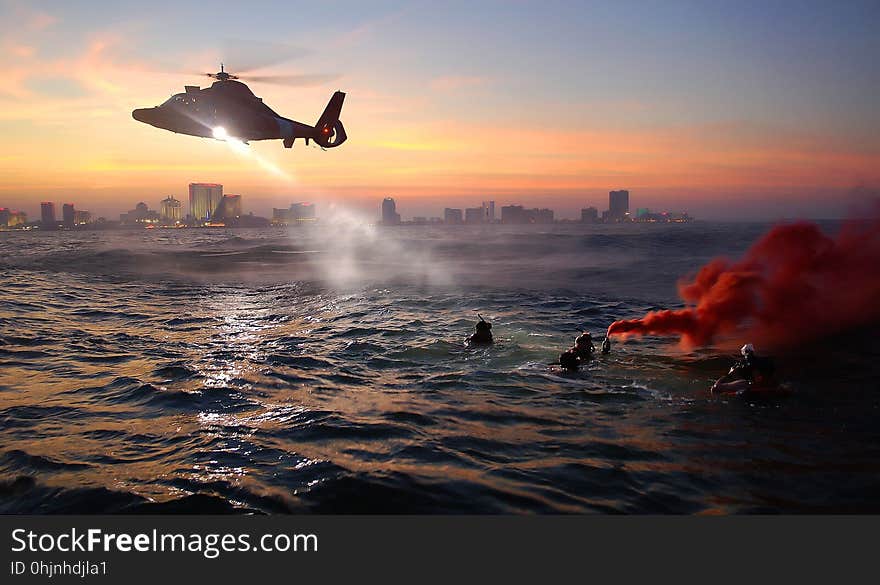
(794, 285)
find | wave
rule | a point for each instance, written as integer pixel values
(139, 377)
(26, 495)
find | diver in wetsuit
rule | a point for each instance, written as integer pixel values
(569, 360)
(581, 352)
(752, 372)
(482, 333)
(583, 346)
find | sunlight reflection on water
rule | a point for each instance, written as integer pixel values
(276, 393)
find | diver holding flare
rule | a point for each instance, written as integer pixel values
(581, 352)
(752, 373)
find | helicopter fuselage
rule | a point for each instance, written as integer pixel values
(228, 109)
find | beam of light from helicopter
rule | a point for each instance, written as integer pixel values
(242, 149)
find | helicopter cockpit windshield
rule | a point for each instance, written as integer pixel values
(172, 101)
(181, 101)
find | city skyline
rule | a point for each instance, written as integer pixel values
(228, 210)
(618, 211)
(207, 196)
(751, 105)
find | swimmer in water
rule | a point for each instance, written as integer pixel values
(482, 333)
(578, 354)
(751, 373)
(569, 360)
(583, 346)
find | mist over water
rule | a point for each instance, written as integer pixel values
(323, 369)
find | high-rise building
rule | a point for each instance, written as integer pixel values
(68, 214)
(203, 200)
(489, 211)
(618, 204)
(140, 215)
(452, 216)
(473, 215)
(541, 215)
(11, 218)
(281, 216)
(171, 209)
(389, 212)
(47, 216)
(81, 217)
(517, 214)
(297, 214)
(513, 214)
(229, 208)
(589, 215)
(302, 212)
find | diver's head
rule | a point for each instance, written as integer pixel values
(584, 339)
(747, 350)
(483, 326)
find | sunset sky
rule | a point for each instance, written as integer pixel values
(723, 109)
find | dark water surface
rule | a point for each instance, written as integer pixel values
(324, 370)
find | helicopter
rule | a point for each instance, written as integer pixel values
(230, 110)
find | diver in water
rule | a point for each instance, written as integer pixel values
(482, 334)
(751, 373)
(569, 360)
(583, 346)
(606, 345)
(581, 352)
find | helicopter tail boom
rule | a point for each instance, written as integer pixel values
(328, 132)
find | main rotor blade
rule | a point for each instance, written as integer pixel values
(162, 69)
(291, 80)
(241, 55)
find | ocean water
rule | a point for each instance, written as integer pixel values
(323, 369)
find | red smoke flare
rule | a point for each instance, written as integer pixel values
(794, 285)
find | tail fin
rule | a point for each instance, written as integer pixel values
(332, 111)
(329, 131)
